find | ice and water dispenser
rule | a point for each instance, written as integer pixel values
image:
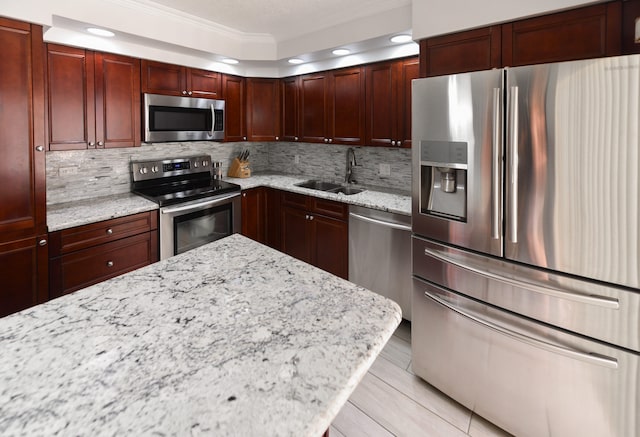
(443, 179)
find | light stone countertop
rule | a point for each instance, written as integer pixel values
(67, 215)
(229, 339)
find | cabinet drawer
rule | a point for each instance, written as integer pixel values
(89, 266)
(82, 237)
(295, 200)
(329, 208)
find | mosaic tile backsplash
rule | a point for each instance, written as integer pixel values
(83, 174)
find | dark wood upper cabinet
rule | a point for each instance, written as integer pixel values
(582, 33)
(346, 106)
(93, 99)
(233, 92)
(630, 13)
(289, 108)
(23, 240)
(332, 106)
(176, 80)
(388, 102)
(314, 92)
(473, 50)
(263, 109)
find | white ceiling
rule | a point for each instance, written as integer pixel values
(282, 19)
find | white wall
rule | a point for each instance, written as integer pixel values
(438, 17)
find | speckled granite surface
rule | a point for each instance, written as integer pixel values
(70, 214)
(232, 338)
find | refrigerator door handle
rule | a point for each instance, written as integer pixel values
(483, 270)
(495, 171)
(513, 164)
(591, 358)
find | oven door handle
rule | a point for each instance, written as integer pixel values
(197, 206)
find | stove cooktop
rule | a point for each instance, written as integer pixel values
(170, 194)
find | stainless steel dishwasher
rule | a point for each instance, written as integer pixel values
(380, 254)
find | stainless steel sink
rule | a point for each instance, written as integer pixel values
(318, 185)
(346, 190)
(329, 187)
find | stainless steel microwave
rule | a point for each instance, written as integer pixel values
(171, 118)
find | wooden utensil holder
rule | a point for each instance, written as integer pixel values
(239, 169)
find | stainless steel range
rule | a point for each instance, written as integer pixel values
(195, 207)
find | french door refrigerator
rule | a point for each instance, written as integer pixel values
(526, 244)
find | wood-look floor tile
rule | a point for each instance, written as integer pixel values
(481, 427)
(397, 351)
(422, 392)
(398, 413)
(351, 422)
(333, 432)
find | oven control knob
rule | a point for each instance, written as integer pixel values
(143, 170)
(205, 163)
(195, 164)
(154, 169)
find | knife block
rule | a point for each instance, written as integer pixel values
(239, 169)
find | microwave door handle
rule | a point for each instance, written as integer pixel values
(213, 121)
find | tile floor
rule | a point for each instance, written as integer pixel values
(392, 401)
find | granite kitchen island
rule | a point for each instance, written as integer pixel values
(231, 338)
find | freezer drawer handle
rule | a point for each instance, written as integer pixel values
(599, 360)
(602, 301)
(381, 222)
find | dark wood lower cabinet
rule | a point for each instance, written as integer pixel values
(253, 207)
(316, 233)
(23, 269)
(86, 255)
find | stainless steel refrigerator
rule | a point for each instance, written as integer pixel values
(526, 244)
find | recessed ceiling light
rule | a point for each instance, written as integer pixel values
(400, 39)
(341, 52)
(295, 61)
(230, 61)
(100, 32)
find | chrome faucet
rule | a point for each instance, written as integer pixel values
(351, 162)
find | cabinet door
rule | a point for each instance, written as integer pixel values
(23, 272)
(117, 99)
(472, 50)
(263, 109)
(233, 92)
(160, 78)
(272, 218)
(409, 69)
(330, 251)
(381, 104)
(583, 33)
(22, 116)
(314, 89)
(70, 76)
(289, 101)
(203, 83)
(630, 13)
(253, 214)
(296, 238)
(346, 107)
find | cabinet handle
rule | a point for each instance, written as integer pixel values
(109, 231)
(40, 148)
(42, 242)
(109, 263)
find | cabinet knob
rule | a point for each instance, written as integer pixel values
(244, 138)
(109, 263)
(331, 140)
(295, 138)
(399, 143)
(244, 194)
(277, 138)
(40, 148)
(393, 142)
(42, 242)
(100, 144)
(190, 93)
(184, 92)
(109, 231)
(310, 217)
(91, 144)
(326, 140)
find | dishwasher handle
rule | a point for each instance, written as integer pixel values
(385, 223)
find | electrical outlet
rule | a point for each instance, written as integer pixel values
(385, 169)
(66, 171)
(296, 159)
